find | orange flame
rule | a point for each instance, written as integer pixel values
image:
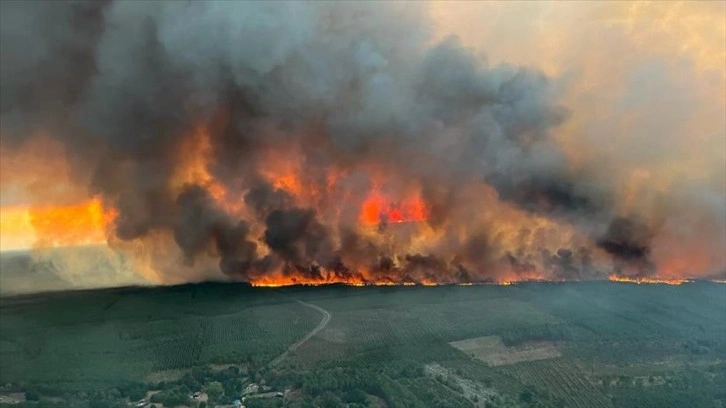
(84, 223)
(194, 165)
(280, 279)
(277, 281)
(639, 281)
(376, 208)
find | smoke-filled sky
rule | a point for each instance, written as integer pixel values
(367, 142)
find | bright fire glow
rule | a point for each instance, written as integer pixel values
(281, 281)
(666, 281)
(84, 223)
(377, 208)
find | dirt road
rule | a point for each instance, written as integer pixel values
(313, 332)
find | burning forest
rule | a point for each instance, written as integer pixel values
(312, 143)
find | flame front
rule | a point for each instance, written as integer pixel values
(646, 280)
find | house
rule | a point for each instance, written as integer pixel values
(199, 396)
(251, 389)
(237, 403)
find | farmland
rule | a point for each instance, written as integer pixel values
(493, 352)
(577, 345)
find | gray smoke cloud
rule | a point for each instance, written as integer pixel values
(350, 85)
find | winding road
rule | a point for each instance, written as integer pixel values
(313, 332)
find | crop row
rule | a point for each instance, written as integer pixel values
(562, 380)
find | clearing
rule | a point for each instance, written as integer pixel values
(492, 351)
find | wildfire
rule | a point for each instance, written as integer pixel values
(283, 170)
(377, 208)
(275, 281)
(509, 254)
(84, 223)
(297, 281)
(665, 281)
(194, 166)
(281, 280)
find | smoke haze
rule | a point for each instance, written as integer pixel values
(282, 142)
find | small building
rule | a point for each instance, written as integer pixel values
(251, 389)
(237, 403)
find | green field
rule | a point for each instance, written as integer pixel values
(620, 345)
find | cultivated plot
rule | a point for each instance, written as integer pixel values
(492, 351)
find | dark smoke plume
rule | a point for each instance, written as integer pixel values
(628, 240)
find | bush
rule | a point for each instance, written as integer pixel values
(356, 396)
(173, 398)
(214, 390)
(32, 395)
(526, 396)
